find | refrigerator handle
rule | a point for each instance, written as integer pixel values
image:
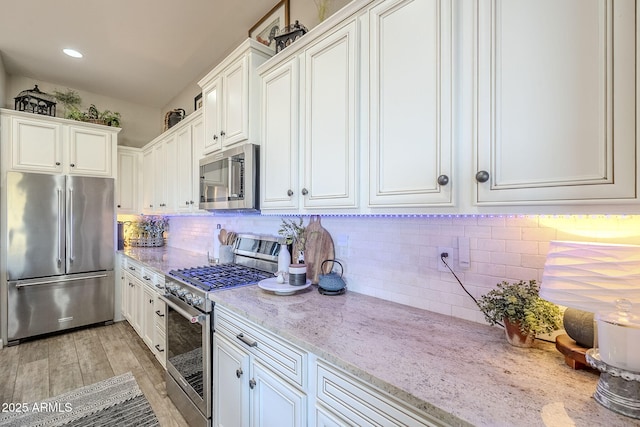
(59, 228)
(70, 225)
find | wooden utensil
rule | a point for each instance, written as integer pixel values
(223, 236)
(319, 247)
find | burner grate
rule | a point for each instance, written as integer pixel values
(217, 277)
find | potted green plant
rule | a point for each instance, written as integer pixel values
(523, 312)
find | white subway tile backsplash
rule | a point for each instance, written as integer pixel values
(396, 258)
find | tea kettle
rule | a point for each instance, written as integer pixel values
(173, 117)
(331, 281)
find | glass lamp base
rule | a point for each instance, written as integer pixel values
(617, 389)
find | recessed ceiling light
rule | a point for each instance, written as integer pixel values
(73, 53)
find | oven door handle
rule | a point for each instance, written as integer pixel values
(194, 317)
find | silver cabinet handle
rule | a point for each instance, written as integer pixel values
(246, 340)
(159, 314)
(289, 193)
(443, 180)
(60, 238)
(71, 225)
(239, 372)
(222, 133)
(57, 163)
(215, 137)
(132, 268)
(158, 348)
(146, 277)
(252, 383)
(73, 165)
(482, 176)
(305, 191)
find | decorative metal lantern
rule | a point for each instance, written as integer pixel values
(288, 35)
(35, 101)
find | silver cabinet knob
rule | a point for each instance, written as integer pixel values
(252, 383)
(482, 176)
(222, 133)
(305, 191)
(443, 180)
(57, 163)
(289, 193)
(239, 372)
(73, 165)
(215, 137)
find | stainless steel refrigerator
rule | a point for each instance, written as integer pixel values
(60, 255)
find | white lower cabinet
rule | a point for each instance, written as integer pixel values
(142, 307)
(259, 379)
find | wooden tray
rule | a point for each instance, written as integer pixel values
(319, 247)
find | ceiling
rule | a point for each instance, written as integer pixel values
(142, 51)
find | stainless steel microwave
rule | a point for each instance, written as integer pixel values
(229, 179)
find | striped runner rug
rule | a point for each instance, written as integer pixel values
(117, 401)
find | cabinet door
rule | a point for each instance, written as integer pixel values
(555, 108)
(410, 123)
(274, 402)
(90, 152)
(127, 183)
(147, 318)
(212, 102)
(148, 181)
(235, 107)
(160, 176)
(330, 114)
(183, 169)
(231, 384)
(127, 294)
(135, 307)
(197, 148)
(36, 145)
(279, 149)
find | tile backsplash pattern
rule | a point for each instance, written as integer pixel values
(395, 257)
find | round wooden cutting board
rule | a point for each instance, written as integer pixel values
(319, 247)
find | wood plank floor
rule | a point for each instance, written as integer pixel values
(43, 368)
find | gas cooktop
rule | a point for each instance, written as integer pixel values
(222, 276)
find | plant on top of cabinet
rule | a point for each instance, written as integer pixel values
(69, 99)
(521, 309)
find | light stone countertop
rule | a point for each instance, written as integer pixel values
(461, 372)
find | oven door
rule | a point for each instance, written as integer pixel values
(189, 351)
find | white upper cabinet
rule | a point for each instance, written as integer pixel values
(410, 104)
(53, 145)
(170, 168)
(232, 96)
(555, 101)
(310, 138)
(127, 184)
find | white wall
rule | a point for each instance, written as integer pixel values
(140, 124)
(3, 85)
(302, 10)
(395, 258)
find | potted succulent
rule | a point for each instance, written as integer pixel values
(523, 312)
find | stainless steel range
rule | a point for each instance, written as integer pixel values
(189, 323)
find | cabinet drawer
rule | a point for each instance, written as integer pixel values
(281, 357)
(160, 308)
(160, 345)
(134, 268)
(363, 404)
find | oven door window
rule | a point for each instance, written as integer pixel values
(185, 349)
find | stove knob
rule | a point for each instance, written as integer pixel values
(182, 292)
(173, 288)
(189, 298)
(196, 301)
